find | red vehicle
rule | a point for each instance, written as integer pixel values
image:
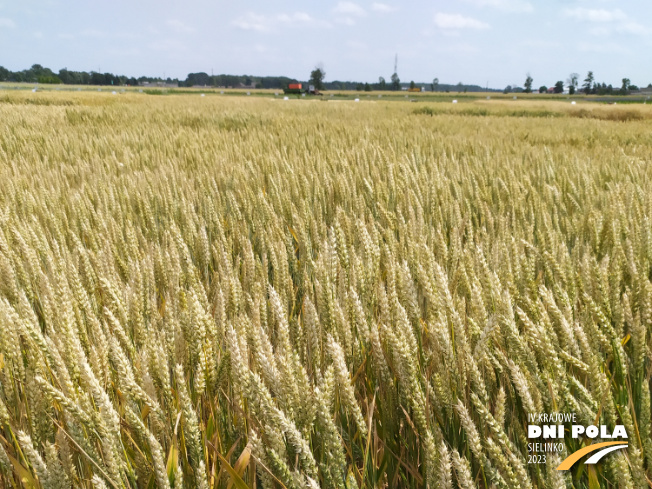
(297, 89)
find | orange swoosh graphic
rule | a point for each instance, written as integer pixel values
(575, 456)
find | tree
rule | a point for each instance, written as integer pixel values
(382, 84)
(435, 84)
(202, 79)
(52, 79)
(67, 76)
(528, 84)
(396, 82)
(588, 83)
(97, 78)
(412, 85)
(367, 87)
(624, 89)
(572, 82)
(559, 87)
(543, 89)
(317, 77)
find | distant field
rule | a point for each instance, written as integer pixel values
(636, 98)
(243, 291)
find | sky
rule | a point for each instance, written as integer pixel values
(483, 42)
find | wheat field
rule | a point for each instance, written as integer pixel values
(254, 293)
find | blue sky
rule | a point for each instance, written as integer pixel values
(472, 41)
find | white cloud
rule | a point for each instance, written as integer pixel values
(346, 21)
(8, 23)
(632, 28)
(267, 23)
(541, 44)
(349, 8)
(505, 5)
(179, 27)
(587, 47)
(594, 15)
(628, 27)
(295, 18)
(606, 22)
(383, 8)
(252, 22)
(458, 21)
(347, 13)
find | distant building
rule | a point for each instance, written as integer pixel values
(159, 84)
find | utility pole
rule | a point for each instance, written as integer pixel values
(396, 63)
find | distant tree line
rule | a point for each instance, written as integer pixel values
(40, 74)
(589, 86)
(235, 81)
(383, 85)
(317, 79)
